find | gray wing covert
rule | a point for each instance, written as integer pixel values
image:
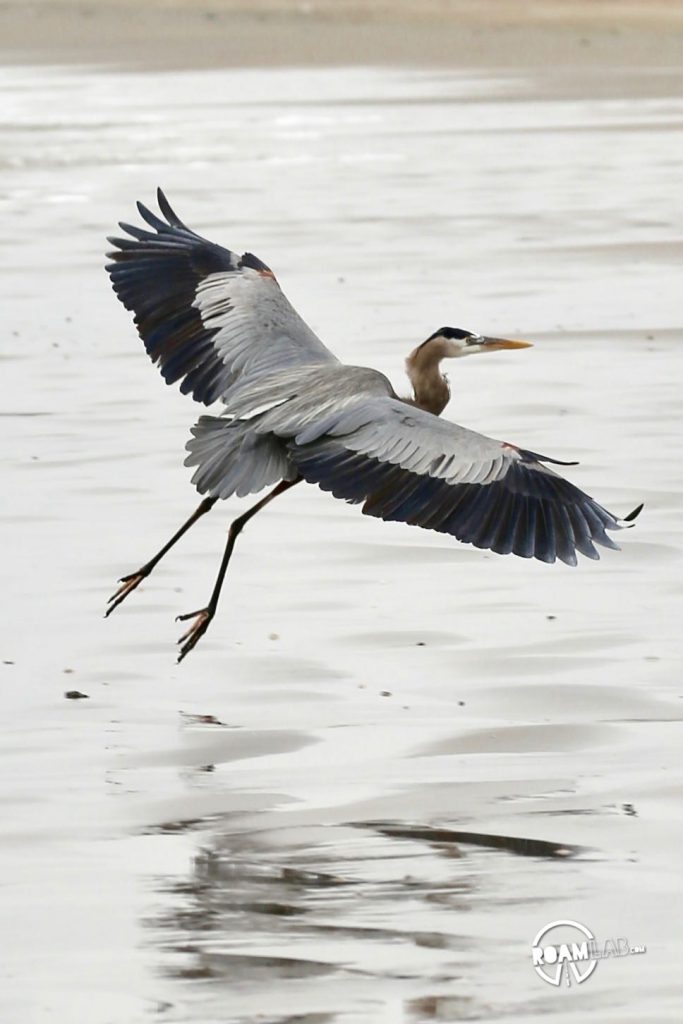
(409, 466)
(208, 317)
(249, 450)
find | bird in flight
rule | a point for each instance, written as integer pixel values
(219, 324)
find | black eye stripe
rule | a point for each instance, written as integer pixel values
(454, 334)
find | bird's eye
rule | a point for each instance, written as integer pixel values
(474, 339)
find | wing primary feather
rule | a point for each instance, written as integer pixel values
(597, 527)
(421, 500)
(525, 532)
(545, 533)
(467, 516)
(510, 510)
(389, 500)
(139, 233)
(151, 218)
(440, 509)
(382, 501)
(169, 213)
(634, 515)
(463, 498)
(582, 533)
(529, 456)
(491, 522)
(564, 534)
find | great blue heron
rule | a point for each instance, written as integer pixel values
(219, 323)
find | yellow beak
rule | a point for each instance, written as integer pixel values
(493, 344)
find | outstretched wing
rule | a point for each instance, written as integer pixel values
(410, 466)
(207, 316)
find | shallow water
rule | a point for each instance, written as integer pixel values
(368, 683)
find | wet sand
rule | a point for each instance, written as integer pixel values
(419, 754)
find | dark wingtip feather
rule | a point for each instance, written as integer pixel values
(528, 455)
(118, 243)
(634, 515)
(168, 211)
(151, 218)
(138, 233)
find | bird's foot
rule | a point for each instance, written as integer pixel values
(196, 631)
(128, 585)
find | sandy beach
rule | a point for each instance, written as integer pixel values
(177, 34)
(393, 759)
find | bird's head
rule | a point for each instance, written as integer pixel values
(453, 342)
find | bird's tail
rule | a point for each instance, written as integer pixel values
(231, 458)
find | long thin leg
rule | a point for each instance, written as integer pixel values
(204, 616)
(130, 582)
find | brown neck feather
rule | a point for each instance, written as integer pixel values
(430, 387)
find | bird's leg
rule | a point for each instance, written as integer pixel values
(204, 616)
(130, 582)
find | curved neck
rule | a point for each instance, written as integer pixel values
(430, 387)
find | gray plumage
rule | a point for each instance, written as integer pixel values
(232, 458)
(219, 324)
